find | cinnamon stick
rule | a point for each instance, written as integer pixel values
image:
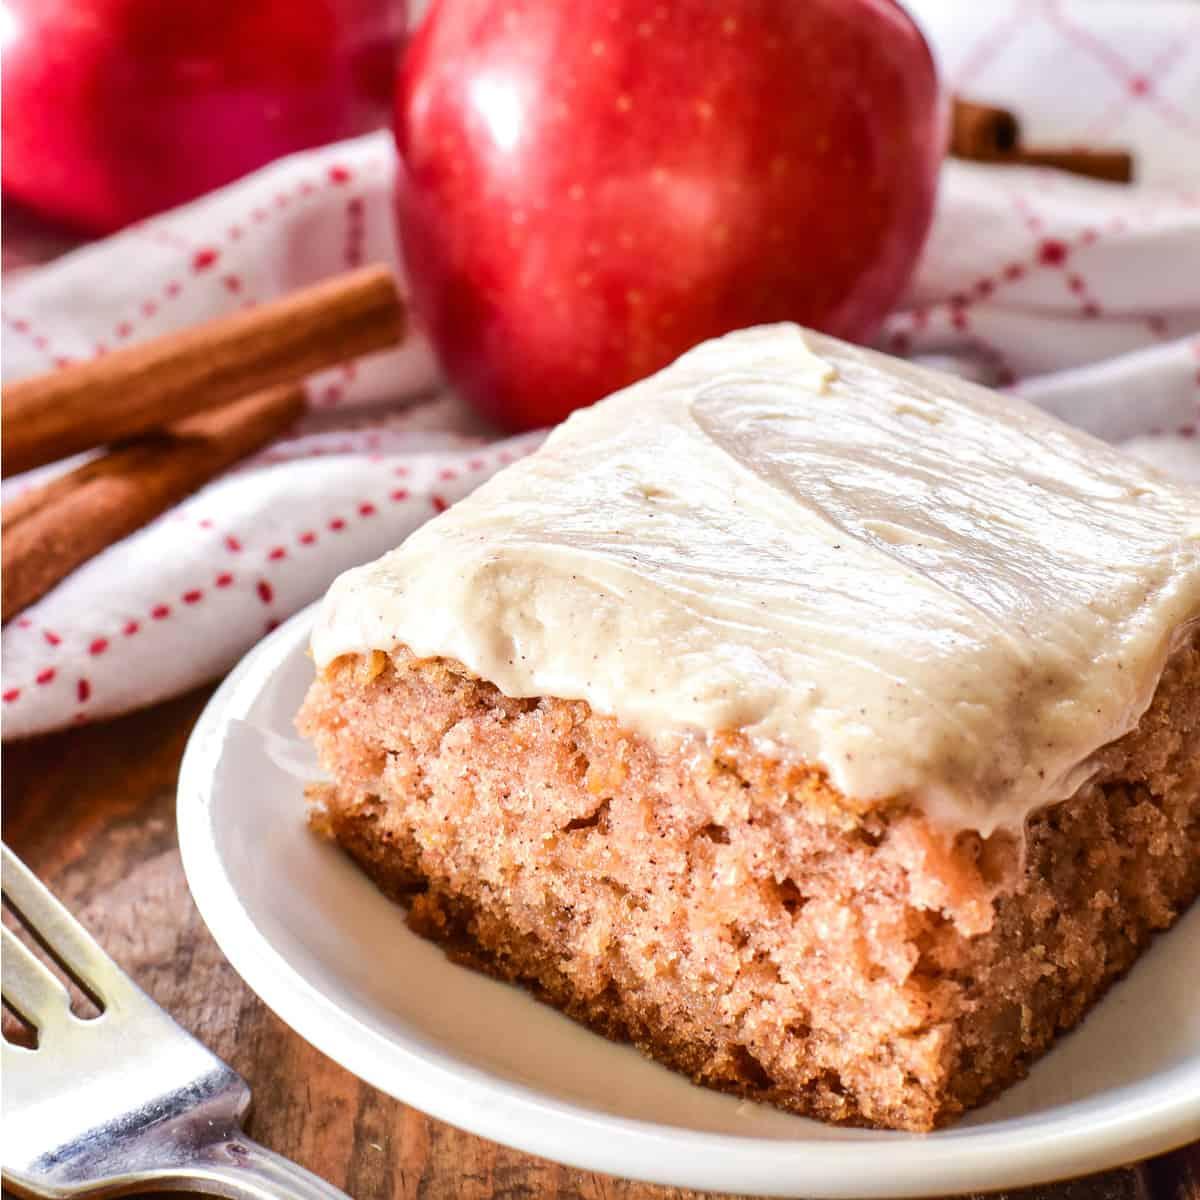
(986, 133)
(977, 130)
(53, 528)
(147, 386)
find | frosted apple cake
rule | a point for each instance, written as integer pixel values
(825, 726)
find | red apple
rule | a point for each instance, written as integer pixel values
(587, 190)
(116, 109)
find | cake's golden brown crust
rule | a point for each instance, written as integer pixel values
(737, 918)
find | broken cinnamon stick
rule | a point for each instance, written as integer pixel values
(156, 383)
(53, 528)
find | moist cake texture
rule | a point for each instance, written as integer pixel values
(729, 914)
(826, 727)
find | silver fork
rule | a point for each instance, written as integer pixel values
(127, 1101)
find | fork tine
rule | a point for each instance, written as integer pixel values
(29, 987)
(61, 933)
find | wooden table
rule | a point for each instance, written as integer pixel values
(92, 811)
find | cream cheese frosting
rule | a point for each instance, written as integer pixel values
(932, 591)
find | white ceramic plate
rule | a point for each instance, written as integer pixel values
(335, 960)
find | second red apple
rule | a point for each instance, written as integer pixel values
(117, 109)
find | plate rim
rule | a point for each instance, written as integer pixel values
(959, 1159)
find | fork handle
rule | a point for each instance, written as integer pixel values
(240, 1169)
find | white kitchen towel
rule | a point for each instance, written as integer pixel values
(1083, 296)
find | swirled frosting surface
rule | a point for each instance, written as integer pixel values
(930, 590)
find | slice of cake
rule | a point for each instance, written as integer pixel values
(828, 727)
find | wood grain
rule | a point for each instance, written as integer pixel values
(92, 812)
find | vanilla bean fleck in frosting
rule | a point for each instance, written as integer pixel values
(932, 591)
